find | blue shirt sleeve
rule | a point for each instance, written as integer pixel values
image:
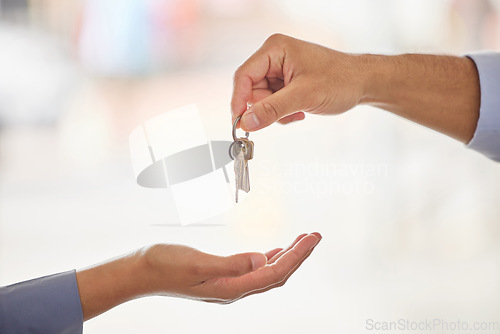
(47, 305)
(487, 136)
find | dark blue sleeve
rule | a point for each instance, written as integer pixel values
(47, 305)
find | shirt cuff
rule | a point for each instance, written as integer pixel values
(48, 304)
(486, 139)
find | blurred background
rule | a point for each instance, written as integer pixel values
(410, 218)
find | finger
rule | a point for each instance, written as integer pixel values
(284, 102)
(234, 265)
(275, 84)
(277, 255)
(260, 90)
(259, 94)
(252, 72)
(267, 61)
(305, 257)
(278, 271)
(268, 277)
(282, 282)
(319, 236)
(273, 252)
(298, 116)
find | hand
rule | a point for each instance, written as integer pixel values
(287, 77)
(180, 271)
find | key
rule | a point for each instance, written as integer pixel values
(248, 148)
(241, 151)
(240, 168)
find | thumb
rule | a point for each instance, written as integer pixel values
(235, 265)
(284, 102)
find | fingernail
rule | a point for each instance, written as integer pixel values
(250, 120)
(318, 235)
(316, 242)
(258, 260)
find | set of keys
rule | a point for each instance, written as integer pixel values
(241, 151)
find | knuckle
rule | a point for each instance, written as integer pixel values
(283, 278)
(279, 273)
(270, 111)
(276, 37)
(198, 266)
(275, 42)
(238, 73)
(195, 269)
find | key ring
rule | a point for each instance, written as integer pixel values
(236, 139)
(234, 129)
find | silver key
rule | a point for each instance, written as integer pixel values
(248, 148)
(241, 150)
(240, 168)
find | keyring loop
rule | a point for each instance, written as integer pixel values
(234, 129)
(231, 150)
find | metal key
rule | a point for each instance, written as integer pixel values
(240, 170)
(241, 150)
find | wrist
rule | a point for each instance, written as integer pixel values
(440, 92)
(142, 275)
(104, 286)
(375, 78)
